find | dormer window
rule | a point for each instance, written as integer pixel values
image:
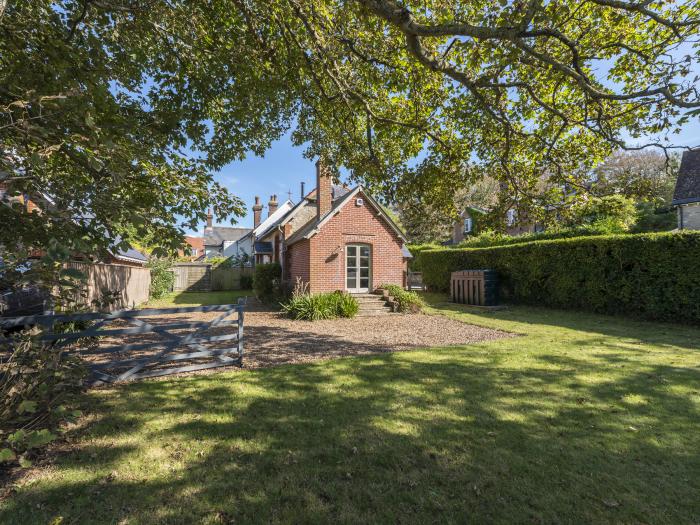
(468, 225)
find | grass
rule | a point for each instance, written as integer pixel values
(583, 419)
(197, 298)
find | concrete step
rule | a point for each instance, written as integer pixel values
(374, 308)
(373, 314)
(367, 300)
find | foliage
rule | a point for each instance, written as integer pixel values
(608, 214)
(246, 282)
(38, 383)
(653, 219)
(654, 276)
(416, 249)
(414, 98)
(267, 281)
(162, 277)
(426, 223)
(407, 301)
(306, 306)
(646, 176)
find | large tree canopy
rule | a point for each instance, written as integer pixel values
(120, 110)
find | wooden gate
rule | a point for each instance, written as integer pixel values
(215, 343)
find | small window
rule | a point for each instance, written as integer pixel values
(511, 217)
(468, 225)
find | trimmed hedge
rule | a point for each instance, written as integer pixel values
(653, 276)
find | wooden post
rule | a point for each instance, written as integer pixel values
(240, 333)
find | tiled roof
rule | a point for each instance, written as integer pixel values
(688, 183)
(305, 230)
(218, 234)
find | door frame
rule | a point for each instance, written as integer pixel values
(358, 245)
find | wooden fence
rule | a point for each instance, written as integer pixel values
(140, 357)
(129, 285)
(204, 277)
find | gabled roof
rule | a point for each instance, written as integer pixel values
(218, 234)
(688, 183)
(310, 229)
(273, 219)
(285, 218)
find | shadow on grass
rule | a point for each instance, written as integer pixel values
(449, 435)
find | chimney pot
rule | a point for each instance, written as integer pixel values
(272, 205)
(210, 219)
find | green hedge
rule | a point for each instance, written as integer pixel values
(653, 276)
(266, 281)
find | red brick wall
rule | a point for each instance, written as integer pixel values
(355, 224)
(297, 262)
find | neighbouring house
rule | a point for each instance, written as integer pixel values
(219, 240)
(469, 223)
(247, 248)
(686, 196)
(196, 248)
(335, 238)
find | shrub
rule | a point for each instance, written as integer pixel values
(347, 305)
(654, 276)
(407, 301)
(266, 281)
(314, 307)
(246, 282)
(162, 277)
(38, 383)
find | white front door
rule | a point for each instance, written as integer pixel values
(357, 268)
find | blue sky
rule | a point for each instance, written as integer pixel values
(284, 167)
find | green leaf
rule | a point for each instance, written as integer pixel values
(38, 438)
(24, 462)
(27, 406)
(6, 455)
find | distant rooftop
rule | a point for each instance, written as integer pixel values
(688, 183)
(217, 234)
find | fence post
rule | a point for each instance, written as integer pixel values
(240, 333)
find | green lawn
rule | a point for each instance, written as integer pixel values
(584, 419)
(197, 298)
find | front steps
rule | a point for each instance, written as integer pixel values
(371, 305)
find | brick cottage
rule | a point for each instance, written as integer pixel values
(336, 238)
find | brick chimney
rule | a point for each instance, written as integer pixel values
(257, 212)
(272, 205)
(210, 220)
(324, 183)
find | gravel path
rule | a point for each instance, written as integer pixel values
(271, 339)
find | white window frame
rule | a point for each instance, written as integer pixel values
(468, 225)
